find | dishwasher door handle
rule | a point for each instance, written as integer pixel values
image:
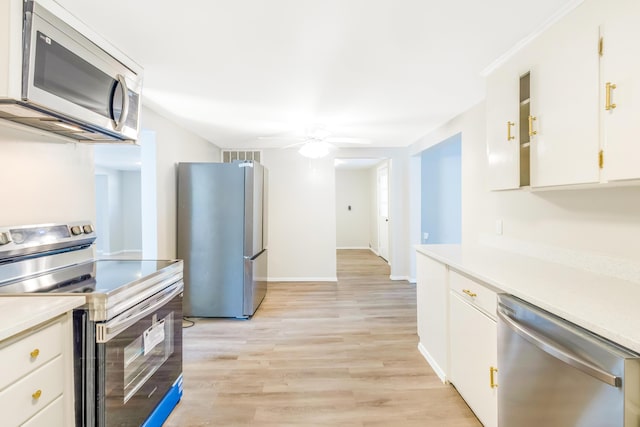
(555, 350)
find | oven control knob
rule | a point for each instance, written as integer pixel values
(76, 230)
(5, 238)
(88, 229)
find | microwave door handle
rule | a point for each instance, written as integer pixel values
(559, 353)
(106, 331)
(119, 125)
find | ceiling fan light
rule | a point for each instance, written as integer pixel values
(314, 149)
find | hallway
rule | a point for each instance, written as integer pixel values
(318, 354)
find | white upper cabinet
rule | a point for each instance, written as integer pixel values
(620, 88)
(503, 142)
(579, 123)
(563, 121)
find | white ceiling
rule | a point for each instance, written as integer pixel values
(385, 70)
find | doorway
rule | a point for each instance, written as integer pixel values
(125, 194)
(441, 188)
(358, 204)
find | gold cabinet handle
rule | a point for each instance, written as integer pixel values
(509, 136)
(608, 88)
(492, 379)
(531, 131)
(468, 292)
(37, 394)
(35, 353)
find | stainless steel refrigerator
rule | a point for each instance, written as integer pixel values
(221, 237)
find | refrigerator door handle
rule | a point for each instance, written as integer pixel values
(558, 352)
(251, 258)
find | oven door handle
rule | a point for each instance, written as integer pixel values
(556, 350)
(106, 331)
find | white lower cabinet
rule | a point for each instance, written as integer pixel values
(432, 295)
(473, 340)
(36, 386)
(458, 334)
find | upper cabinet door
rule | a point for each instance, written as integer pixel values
(620, 86)
(564, 103)
(503, 141)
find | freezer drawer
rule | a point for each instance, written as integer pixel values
(255, 282)
(554, 373)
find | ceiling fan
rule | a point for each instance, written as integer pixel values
(318, 142)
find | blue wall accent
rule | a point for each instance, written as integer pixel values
(441, 202)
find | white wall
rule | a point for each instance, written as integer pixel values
(102, 214)
(44, 181)
(302, 220)
(604, 221)
(353, 188)
(131, 211)
(173, 145)
(112, 237)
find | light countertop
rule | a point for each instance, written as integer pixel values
(608, 306)
(18, 313)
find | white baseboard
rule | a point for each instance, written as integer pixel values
(436, 368)
(374, 252)
(399, 278)
(353, 247)
(302, 279)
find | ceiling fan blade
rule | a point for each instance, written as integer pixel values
(360, 141)
(295, 144)
(281, 138)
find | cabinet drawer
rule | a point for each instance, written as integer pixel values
(29, 352)
(479, 295)
(51, 416)
(19, 402)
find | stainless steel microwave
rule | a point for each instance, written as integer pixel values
(72, 86)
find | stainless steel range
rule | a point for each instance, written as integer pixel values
(128, 336)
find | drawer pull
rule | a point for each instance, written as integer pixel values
(35, 353)
(608, 88)
(37, 394)
(471, 294)
(492, 379)
(509, 136)
(531, 131)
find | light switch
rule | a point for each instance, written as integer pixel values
(499, 227)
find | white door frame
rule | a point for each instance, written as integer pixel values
(382, 210)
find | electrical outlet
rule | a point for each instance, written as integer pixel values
(425, 236)
(499, 227)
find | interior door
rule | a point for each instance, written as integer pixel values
(383, 212)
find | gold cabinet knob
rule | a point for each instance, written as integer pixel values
(35, 353)
(468, 292)
(37, 394)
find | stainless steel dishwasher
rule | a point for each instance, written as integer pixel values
(556, 374)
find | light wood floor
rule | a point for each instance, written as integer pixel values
(318, 354)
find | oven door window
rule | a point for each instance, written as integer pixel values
(146, 354)
(138, 366)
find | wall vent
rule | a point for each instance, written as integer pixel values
(229, 156)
